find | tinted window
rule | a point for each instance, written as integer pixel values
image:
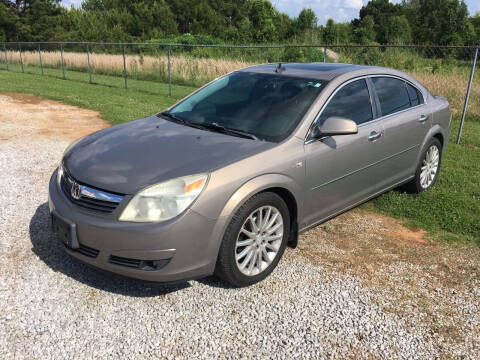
(266, 105)
(392, 94)
(351, 102)
(416, 97)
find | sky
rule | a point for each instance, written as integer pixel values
(338, 10)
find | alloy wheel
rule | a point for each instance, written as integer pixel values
(429, 167)
(259, 240)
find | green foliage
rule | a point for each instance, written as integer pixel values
(398, 31)
(443, 22)
(440, 22)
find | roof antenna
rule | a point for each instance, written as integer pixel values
(280, 68)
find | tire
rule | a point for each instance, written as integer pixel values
(232, 265)
(420, 183)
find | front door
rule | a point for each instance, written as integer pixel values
(343, 170)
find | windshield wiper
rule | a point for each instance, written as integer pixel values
(173, 117)
(227, 130)
(212, 126)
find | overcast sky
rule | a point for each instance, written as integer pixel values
(338, 10)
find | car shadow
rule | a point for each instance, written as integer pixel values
(51, 252)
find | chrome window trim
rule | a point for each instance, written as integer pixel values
(308, 140)
(407, 81)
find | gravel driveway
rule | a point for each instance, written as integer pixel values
(347, 291)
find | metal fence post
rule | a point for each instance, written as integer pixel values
(63, 63)
(6, 56)
(88, 62)
(124, 65)
(325, 54)
(40, 56)
(467, 96)
(169, 73)
(21, 59)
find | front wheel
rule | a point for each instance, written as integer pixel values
(427, 169)
(254, 240)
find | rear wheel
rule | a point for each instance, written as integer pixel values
(254, 240)
(427, 169)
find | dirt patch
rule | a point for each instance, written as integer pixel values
(404, 267)
(24, 116)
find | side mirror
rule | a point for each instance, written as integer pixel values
(335, 126)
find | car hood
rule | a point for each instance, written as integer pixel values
(129, 157)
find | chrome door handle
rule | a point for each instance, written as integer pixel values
(374, 136)
(423, 118)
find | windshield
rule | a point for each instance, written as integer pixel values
(268, 106)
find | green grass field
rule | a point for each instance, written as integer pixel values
(450, 211)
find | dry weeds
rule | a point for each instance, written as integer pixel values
(183, 67)
(200, 70)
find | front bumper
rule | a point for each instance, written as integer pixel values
(183, 248)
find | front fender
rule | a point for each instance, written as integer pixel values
(245, 192)
(259, 184)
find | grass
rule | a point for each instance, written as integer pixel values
(450, 211)
(116, 105)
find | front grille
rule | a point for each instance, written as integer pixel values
(85, 250)
(90, 201)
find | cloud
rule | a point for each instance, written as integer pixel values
(354, 4)
(69, 3)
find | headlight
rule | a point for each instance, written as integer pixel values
(72, 144)
(164, 201)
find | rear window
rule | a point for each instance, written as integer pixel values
(392, 94)
(416, 97)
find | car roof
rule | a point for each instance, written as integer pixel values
(317, 71)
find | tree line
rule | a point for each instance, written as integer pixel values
(436, 22)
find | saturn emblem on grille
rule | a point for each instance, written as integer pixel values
(75, 191)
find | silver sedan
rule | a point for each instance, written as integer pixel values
(226, 179)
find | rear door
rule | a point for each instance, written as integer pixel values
(406, 121)
(342, 170)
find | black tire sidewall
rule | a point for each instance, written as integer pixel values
(226, 263)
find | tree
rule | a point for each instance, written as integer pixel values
(307, 20)
(329, 34)
(475, 20)
(262, 14)
(398, 31)
(365, 31)
(381, 12)
(440, 22)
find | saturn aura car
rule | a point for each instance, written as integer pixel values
(223, 181)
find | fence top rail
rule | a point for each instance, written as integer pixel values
(244, 46)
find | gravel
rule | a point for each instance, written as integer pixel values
(55, 307)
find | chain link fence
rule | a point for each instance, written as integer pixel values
(176, 69)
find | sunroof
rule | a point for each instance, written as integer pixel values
(317, 66)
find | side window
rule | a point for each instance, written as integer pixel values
(392, 94)
(352, 102)
(415, 95)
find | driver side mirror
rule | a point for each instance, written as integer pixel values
(335, 126)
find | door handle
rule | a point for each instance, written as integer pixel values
(374, 136)
(423, 118)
